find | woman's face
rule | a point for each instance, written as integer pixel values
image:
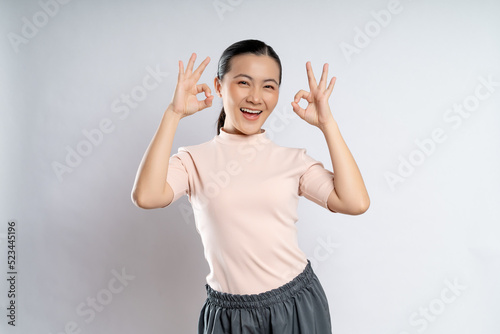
(252, 84)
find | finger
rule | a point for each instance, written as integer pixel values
(181, 69)
(190, 65)
(205, 103)
(302, 94)
(310, 76)
(201, 68)
(298, 109)
(324, 76)
(203, 88)
(330, 86)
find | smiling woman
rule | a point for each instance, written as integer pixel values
(249, 98)
(244, 190)
(249, 75)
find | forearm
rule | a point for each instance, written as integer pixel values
(348, 182)
(150, 181)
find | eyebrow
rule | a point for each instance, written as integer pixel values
(249, 77)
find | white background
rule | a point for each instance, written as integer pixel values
(384, 271)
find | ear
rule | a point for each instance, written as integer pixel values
(217, 87)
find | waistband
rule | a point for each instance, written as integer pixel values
(263, 299)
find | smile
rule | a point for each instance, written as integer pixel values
(250, 111)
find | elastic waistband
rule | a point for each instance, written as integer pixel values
(263, 299)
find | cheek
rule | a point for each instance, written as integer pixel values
(272, 98)
(232, 99)
(234, 94)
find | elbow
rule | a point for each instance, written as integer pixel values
(136, 199)
(139, 200)
(148, 201)
(356, 205)
(362, 206)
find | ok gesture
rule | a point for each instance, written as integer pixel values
(184, 101)
(318, 111)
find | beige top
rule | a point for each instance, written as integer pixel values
(244, 190)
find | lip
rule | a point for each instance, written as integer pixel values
(251, 117)
(251, 109)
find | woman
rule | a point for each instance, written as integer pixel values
(244, 190)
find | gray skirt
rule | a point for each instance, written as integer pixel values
(297, 307)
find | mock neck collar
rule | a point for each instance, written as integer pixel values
(235, 139)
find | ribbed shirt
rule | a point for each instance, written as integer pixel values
(244, 191)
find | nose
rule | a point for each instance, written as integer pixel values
(255, 96)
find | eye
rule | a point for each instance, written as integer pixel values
(269, 86)
(242, 82)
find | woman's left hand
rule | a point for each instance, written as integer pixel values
(318, 111)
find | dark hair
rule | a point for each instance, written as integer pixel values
(248, 46)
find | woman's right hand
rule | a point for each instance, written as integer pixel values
(185, 102)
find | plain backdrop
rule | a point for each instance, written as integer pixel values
(83, 87)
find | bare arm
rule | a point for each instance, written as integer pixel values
(349, 195)
(151, 189)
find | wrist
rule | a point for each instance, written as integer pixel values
(172, 113)
(328, 125)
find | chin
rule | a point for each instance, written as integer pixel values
(250, 128)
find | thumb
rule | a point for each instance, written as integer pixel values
(298, 109)
(205, 103)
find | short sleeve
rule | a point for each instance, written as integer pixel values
(178, 175)
(316, 183)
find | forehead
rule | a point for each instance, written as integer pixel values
(256, 66)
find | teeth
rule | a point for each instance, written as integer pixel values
(251, 111)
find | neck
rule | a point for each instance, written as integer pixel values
(259, 138)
